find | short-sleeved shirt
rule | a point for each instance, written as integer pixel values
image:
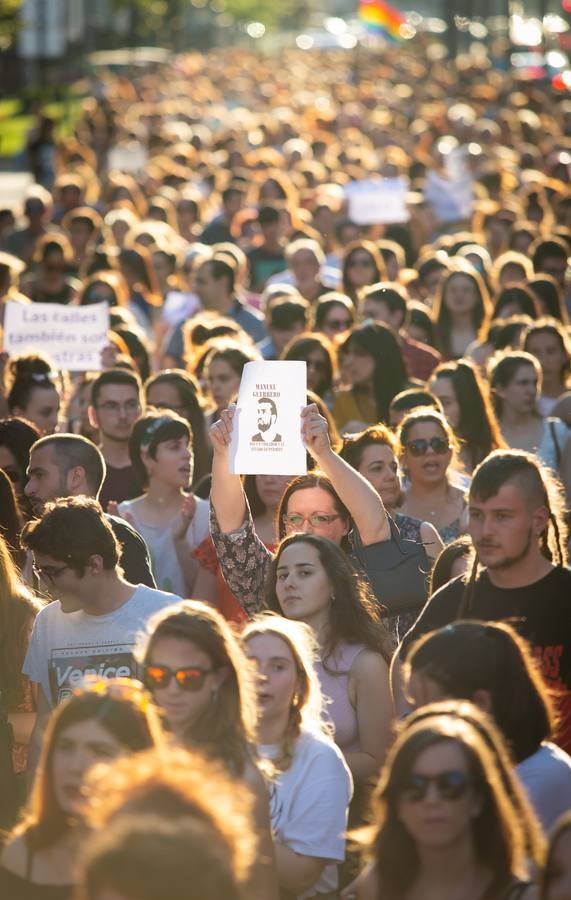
(309, 804)
(64, 647)
(540, 612)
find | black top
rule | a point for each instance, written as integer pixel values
(540, 612)
(135, 560)
(14, 887)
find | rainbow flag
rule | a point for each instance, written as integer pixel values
(381, 18)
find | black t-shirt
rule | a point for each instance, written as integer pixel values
(135, 559)
(540, 612)
(120, 484)
(263, 264)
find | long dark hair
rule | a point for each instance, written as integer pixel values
(371, 250)
(354, 615)
(190, 407)
(226, 729)
(300, 347)
(443, 319)
(504, 370)
(466, 657)
(477, 429)
(126, 716)
(389, 375)
(498, 833)
(562, 826)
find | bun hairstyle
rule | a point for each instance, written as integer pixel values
(26, 373)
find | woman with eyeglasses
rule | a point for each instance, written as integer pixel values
(172, 521)
(427, 451)
(335, 502)
(362, 265)
(204, 686)
(310, 786)
(448, 820)
(492, 666)
(99, 723)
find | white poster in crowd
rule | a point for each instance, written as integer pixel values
(71, 336)
(266, 438)
(379, 201)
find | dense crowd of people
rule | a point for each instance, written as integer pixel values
(352, 683)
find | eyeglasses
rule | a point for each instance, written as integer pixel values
(316, 520)
(111, 406)
(190, 678)
(450, 786)
(48, 572)
(421, 446)
(338, 324)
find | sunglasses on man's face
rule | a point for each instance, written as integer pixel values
(449, 786)
(422, 446)
(189, 678)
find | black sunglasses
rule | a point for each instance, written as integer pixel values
(189, 678)
(450, 786)
(422, 445)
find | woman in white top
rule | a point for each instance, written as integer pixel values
(515, 379)
(172, 521)
(311, 784)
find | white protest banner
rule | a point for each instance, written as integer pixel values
(377, 201)
(266, 438)
(131, 157)
(72, 336)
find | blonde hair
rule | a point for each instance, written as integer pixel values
(308, 709)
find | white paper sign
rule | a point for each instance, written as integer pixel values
(377, 202)
(72, 336)
(266, 438)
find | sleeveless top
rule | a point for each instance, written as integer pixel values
(334, 679)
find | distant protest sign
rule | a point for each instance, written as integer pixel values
(266, 438)
(379, 201)
(72, 336)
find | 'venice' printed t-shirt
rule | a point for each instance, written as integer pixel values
(65, 647)
(540, 612)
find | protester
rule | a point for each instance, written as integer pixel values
(94, 725)
(201, 818)
(115, 405)
(95, 614)
(491, 666)
(332, 506)
(201, 680)
(441, 798)
(547, 340)
(516, 383)
(311, 785)
(519, 571)
(67, 465)
(33, 394)
(427, 450)
(171, 520)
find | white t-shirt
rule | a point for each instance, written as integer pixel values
(64, 647)
(166, 567)
(309, 804)
(546, 777)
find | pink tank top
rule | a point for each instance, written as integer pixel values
(334, 680)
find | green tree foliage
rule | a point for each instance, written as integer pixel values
(9, 21)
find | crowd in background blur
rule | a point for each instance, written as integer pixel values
(209, 681)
